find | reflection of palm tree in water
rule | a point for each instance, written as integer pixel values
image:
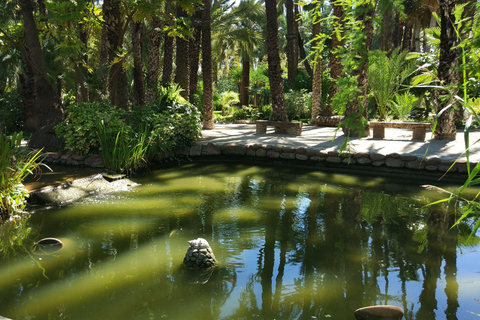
(439, 242)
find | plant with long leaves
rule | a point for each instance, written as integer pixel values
(124, 150)
(472, 205)
(15, 165)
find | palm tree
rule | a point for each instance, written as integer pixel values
(274, 69)
(317, 72)
(138, 78)
(291, 37)
(446, 129)
(336, 67)
(182, 74)
(207, 67)
(153, 63)
(245, 35)
(49, 109)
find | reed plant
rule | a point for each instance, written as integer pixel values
(15, 165)
(471, 206)
(124, 151)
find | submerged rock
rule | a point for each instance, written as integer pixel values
(75, 190)
(199, 255)
(379, 313)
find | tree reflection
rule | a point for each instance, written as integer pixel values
(289, 248)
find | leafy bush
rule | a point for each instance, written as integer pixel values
(79, 129)
(15, 165)
(10, 113)
(386, 75)
(404, 104)
(297, 104)
(172, 126)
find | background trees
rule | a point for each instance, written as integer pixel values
(125, 51)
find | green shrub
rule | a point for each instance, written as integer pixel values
(297, 104)
(79, 129)
(404, 103)
(15, 165)
(10, 113)
(172, 127)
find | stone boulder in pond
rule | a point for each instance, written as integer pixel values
(199, 255)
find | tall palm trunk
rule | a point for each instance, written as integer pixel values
(167, 60)
(138, 79)
(446, 129)
(274, 69)
(117, 78)
(182, 73)
(290, 50)
(194, 52)
(336, 67)
(317, 71)
(207, 67)
(48, 107)
(153, 63)
(245, 84)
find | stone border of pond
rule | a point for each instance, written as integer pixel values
(364, 161)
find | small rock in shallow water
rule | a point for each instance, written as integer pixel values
(379, 313)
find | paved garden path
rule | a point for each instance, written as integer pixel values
(328, 139)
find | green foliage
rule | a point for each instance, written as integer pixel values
(168, 95)
(171, 126)
(297, 103)
(14, 235)
(246, 113)
(78, 130)
(404, 103)
(227, 100)
(10, 113)
(226, 83)
(15, 165)
(386, 75)
(124, 150)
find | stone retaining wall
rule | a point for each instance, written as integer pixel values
(306, 156)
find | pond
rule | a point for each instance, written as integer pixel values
(291, 244)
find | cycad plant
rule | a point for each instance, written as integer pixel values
(15, 165)
(404, 103)
(385, 77)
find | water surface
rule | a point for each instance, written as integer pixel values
(291, 245)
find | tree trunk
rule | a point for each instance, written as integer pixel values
(317, 71)
(167, 60)
(182, 72)
(295, 30)
(290, 50)
(245, 84)
(407, 37)
(194, 53)
(48, 107)
(207, 67)
(274, 69)
(336, 68)
(117, 76)
(153, 63)
(138, 79)
(446, 129)
(27, 81)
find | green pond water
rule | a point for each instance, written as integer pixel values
(291, 244)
